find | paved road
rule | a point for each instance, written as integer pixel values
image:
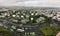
(33, 28)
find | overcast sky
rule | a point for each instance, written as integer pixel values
(35, 3)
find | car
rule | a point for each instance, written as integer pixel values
(20, 30)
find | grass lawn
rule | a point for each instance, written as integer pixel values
(47, 30)
(5, 32)
(50, 31)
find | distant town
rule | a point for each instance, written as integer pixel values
(29, 21)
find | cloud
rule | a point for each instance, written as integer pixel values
(40, 3)
(28, 3)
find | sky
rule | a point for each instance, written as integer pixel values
(31, 3)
